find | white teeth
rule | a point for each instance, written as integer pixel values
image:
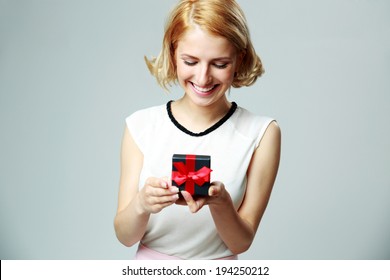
(203, 89)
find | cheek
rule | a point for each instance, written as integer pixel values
(182, 76)
(182, 72)
(226, 76)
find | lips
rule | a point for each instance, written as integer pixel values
(204, 90)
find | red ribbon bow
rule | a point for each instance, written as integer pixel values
(186, 173)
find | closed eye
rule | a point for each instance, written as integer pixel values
(221, 66)
(217, 65)
(189, 63)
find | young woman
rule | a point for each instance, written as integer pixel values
(207, 50)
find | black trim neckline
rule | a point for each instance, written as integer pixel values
(208, 130)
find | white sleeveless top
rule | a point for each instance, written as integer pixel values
(175, 230)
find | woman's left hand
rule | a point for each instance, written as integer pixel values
(217, 195)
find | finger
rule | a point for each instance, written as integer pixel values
(163, 199)
(215, 189)
(192, 204)
(167, 181)
(169, 198)
(152, 202)
(157, 182)
(200, 202)
(187, 196)
(158, 192)
(159, 187)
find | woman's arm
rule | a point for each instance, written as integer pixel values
(135, 206)
(238, 229)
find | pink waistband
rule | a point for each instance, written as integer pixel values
(145, 253)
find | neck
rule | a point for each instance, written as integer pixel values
(197, 118)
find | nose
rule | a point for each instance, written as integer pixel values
(204, 77)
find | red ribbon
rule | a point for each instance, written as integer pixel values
(186, 174)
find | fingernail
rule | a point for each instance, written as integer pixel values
(175, 196)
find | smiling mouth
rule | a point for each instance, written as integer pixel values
(202, 89)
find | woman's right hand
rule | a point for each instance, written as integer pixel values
(157, 194)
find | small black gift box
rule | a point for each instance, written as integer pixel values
(191, 173)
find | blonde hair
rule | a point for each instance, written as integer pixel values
(218, 17)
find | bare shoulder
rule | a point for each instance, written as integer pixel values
(271, 138)
(273, 131)
(267, 154)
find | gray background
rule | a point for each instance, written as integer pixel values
(71, 71)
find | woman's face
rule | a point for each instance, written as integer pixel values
(205, 66)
